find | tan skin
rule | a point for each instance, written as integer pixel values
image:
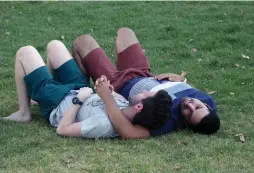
(193, 110)
(125, 38)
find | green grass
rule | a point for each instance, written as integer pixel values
(220, 31)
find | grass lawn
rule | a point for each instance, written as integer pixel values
(205, 39)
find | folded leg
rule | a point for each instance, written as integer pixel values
(27, 60)
(129, 53)
(63, 67)
(90, 55)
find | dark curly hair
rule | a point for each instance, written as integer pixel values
(208, 125)
(156, 111)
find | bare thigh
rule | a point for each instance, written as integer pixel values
(58, 54)
(129, 53)
(29, 58)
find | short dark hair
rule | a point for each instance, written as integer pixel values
(156, 111)
(208, 125)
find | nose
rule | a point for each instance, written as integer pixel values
(191, 106)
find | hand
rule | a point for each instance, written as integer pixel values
(171, 77)
(101, 79)
(84, 93)
(102, 86)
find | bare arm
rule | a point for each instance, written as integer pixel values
(171, 77)
(121, 124)
(67, 127)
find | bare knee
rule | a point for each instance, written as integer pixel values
(84, 44)
(84, 40)
(123, 31)
(25, 51)
(55, 44)
(125, 38)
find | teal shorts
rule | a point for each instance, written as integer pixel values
(49, 91)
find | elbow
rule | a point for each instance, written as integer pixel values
(127, 135)
(60, 131)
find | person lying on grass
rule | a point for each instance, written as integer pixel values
(192, 109)
(67, 102)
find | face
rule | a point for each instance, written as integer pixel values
(193, 110)
(138, 98)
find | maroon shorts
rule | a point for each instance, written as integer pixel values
(132, 63)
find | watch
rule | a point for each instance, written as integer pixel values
(76, 101)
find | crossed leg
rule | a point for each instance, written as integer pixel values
(27, 60)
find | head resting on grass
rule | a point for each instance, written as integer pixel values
(151, 112)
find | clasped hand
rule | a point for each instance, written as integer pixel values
(103, 86)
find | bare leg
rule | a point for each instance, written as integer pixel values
(58, 54)
(129, 53)
(82, 46)
(125, 38)
(27, 60)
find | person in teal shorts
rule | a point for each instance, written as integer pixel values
(35, 80)
(67, 101)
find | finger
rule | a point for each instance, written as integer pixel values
(96, 82)
(104, 77)
(162, 77)
(111, 87)
(158, 76)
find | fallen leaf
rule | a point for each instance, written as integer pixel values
(20, 12)
(243, 67)
(212, 92)
(49, 19)
(231, 93)
(191, 40)
(184, 73)
(220, 21)
(241, 137)
(62, 37)
(245, 56)
(194, 50)
(184, 143)
(8, 33)
(100, 149)
(237, 65)
(199, 60)
(178, 168)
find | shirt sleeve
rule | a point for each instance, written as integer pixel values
(97, 128)
(167, 128)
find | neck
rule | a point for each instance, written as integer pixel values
(129, 113)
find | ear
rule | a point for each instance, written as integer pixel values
(139, 107)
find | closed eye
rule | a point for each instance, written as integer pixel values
(199, 107)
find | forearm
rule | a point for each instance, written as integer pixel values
(121, 124)
(69, 116)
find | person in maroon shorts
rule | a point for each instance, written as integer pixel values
(191, 107)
